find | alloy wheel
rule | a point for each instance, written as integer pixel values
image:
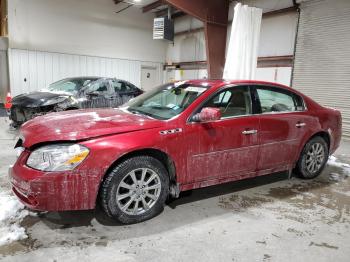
(138, 191)
(315, 158)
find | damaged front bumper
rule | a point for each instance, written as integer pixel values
(19, 115)
(53, 191)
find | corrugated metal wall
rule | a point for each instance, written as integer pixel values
(34, 70)
(322, 61)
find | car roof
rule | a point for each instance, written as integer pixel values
(93, 77)
(221, 82)
(215, 82)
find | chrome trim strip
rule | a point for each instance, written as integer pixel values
(246, 147)
(225, 150)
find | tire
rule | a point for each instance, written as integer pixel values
(121, 182)
(305, 167)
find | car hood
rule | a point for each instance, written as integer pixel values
(36, 99)
(83, 124)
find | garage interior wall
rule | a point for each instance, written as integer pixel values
(35, 70)
(4, 78)
(50, 39)
(276, 39)
(322, 56)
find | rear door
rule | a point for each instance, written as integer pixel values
(283, 124)
(227, 147)
(124, 91)
(98, 94)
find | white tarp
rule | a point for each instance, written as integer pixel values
(242, 52)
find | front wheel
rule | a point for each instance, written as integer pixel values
(135, 190)
(313, 158)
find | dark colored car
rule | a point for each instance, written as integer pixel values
(177, 137)
(70, 94)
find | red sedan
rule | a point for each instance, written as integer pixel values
(178, 137)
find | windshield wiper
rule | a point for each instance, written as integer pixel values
(160, 107)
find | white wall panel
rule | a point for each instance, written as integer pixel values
(186, 48)
(281, 75)
(42, 68)
(84, 27)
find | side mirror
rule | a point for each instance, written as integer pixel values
(207, 114)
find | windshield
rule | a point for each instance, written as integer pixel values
(72, 85)
(166, 101)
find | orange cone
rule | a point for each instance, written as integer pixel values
(8, 101)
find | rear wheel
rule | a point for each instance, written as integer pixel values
(135, 190)
(313, 158)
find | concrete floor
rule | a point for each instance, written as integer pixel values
(269, 218)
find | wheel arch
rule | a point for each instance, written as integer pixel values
(325, 135)
(160, 155)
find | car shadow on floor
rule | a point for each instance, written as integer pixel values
(70, 219)
(227, 188)
(193, 207)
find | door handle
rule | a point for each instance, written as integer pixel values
(250, 132)
(300, 124)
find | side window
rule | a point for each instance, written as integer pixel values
(118, 86)
(235, 101)
(274, 100)
(130, 87)
(99, 87)
(121, 87)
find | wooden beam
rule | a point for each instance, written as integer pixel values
(275, 61)
(214, 15)
(263, 62)
(152, 6)
(164, 12)
(267, 14)
(274, 58)
(291, 9)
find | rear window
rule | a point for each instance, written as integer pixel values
(276, 100)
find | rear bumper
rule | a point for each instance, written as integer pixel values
(53, 191)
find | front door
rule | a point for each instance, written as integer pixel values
(227, 147)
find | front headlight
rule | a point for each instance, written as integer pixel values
(60, 157)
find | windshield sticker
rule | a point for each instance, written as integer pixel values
(172, 106)
(195, 89)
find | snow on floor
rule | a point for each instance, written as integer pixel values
(11, 214)
(333, 161)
